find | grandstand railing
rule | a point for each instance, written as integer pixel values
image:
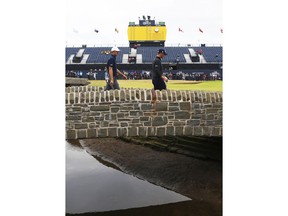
(166, 45)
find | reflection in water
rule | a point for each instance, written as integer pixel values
(94, 187)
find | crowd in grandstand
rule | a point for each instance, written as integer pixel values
(138, 75)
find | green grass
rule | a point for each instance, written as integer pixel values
(172, 84)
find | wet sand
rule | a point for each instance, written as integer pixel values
(198, 179)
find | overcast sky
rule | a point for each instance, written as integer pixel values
(83, 17)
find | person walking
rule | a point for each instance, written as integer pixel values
(112, 70)
(157, 71)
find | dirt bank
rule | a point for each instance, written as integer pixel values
(198, 179)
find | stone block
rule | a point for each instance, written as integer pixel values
(135, 113)
(196, 105)
(142, 94)
(214, 122)
(207, 131)
(135, 124)
(112, 132)
(117, 94)
(179, 123)
(122, 131)
(88, 119)
(199, 111)
(185, 106)
(148, 95)
(99, 118)
(76, 97)
(160, 131)
(159, 120)
(120, 115)
(70, 134)
(142, 131)
(133, 96)
(100, 108)
(148, 123)
(91, 133)
(173, 104)
(73, 117)
(114, 124)
(136, 120)
(71, 98)
(173, 108)
(92, 97)
(76, 109)
(92, 125)
(108, 117)
(182, 115)
(126, 108)
(211, 110)
(197, 131)
(151, 131)
(193, 122)
(104, 123)
(184, 96)
(137, 95)
(144, 118)
(81, 126)
(124, 124)
(207, 105)
(170, 131)
(188, 131)
(178, 95)
(216, 131)
(132, 131)
(115, 109)
(97, 96)
(81, 134)
(179, 131)
(124, 119)
(82, 97)
(122, 95)
(146, 106)
(161, 106)
(102, 132)
(164, 95)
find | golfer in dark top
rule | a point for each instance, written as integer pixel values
(157, 71)
(113, 71)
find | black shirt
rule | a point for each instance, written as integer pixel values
(157, 69)
(112, 63)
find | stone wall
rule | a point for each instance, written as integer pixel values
(92, 112)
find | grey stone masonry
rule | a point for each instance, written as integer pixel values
(92, 112)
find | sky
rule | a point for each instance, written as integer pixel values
(83, 17)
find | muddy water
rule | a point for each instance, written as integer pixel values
(92, 186)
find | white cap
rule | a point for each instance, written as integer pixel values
(115, 49)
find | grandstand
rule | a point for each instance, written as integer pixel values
(138, 56)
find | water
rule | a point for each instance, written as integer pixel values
(93, 187)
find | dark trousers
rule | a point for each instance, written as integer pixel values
(159, 84)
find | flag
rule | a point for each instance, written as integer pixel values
(200, 30)
(95, 30)
(116, 30)
(180, 30)
(221, 30)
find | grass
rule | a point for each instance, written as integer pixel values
(172, 84)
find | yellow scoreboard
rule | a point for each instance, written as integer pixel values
(146, 33)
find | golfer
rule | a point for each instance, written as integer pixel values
(157, 71)
(113, 71)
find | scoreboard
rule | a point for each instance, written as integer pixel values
(146, 32)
